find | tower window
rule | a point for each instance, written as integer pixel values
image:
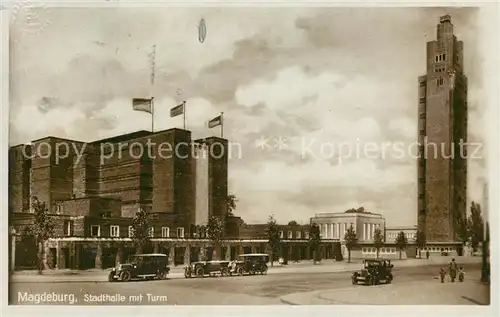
(444, 57)
(437, 58)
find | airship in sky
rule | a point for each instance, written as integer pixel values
(202, 31)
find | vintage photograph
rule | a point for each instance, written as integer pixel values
(248, 156)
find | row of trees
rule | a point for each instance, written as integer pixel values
(470, 231)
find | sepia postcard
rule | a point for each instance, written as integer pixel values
(250, 154)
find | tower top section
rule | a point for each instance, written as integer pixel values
(445, 19)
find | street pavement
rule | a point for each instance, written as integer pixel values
(276, 288)
(422, 292)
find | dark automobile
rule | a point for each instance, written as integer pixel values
(250, 264)
(374, 272)
(204, 268)
(141, 266)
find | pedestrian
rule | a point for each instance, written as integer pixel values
(427, 254)
(453, 270)
(442, 274)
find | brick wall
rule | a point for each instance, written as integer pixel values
(19, 178)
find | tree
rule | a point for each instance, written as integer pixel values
(463, 230)
(274, 238)
(351, 240)
(401, 242)
(293, 223)
(231, 204)
(314, 241)
(215, 232)
(42, 230)
(140, 230)
(378, 240)
(476, 226)
(420, 240)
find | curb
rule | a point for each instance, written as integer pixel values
(287, 302)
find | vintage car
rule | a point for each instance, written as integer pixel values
(249, 264)
(141, 266)
(374, 272)
(204, 268)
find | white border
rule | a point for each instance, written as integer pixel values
(491, 70)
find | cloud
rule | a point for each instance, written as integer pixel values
(328, 76)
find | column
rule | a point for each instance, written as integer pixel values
(228, 253)
(156, 247)
(187, 253)
(118, 257)
(60, 263)
(171, 255)
(13, 251)
(78, 248)
(98, 255)
(201, 252)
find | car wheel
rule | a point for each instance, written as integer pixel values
(252, 272)
(125, 276)
(187, 273)
(224, 271)
(354, 280)
(200, 272)
(111, 277)
(263, 271)
(240, 271)
(389, 279)
(160, 275)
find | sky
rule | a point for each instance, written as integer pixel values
(293, 83)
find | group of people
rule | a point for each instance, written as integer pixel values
(453, 270)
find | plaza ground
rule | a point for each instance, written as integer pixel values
(298, 284)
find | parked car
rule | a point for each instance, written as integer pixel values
(141, 266)
(204, 268)
(250, 264)
(374, 272)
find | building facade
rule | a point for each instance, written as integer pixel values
(442, 167)
(335, 225)
(93, 191)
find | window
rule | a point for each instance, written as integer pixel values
(165, 232)
(130, 231)
(437, 58)
(298, 235)
(306, 234)
(114, 231)
(68, 228)
(444, 57)
(290, 235)
(281, 234)
(180, 232)
(95, 231)
(151, 232)
(422, 100)
(421, 84)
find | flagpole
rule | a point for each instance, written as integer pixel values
(153, 65)
(152, 114)
(222, 125)
(184, 113)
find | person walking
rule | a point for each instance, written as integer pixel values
(427, 254)
(453, 270)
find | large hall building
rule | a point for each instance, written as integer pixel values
(93, 190)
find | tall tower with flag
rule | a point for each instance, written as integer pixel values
(442, 130)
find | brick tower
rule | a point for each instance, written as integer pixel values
(442, 165)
